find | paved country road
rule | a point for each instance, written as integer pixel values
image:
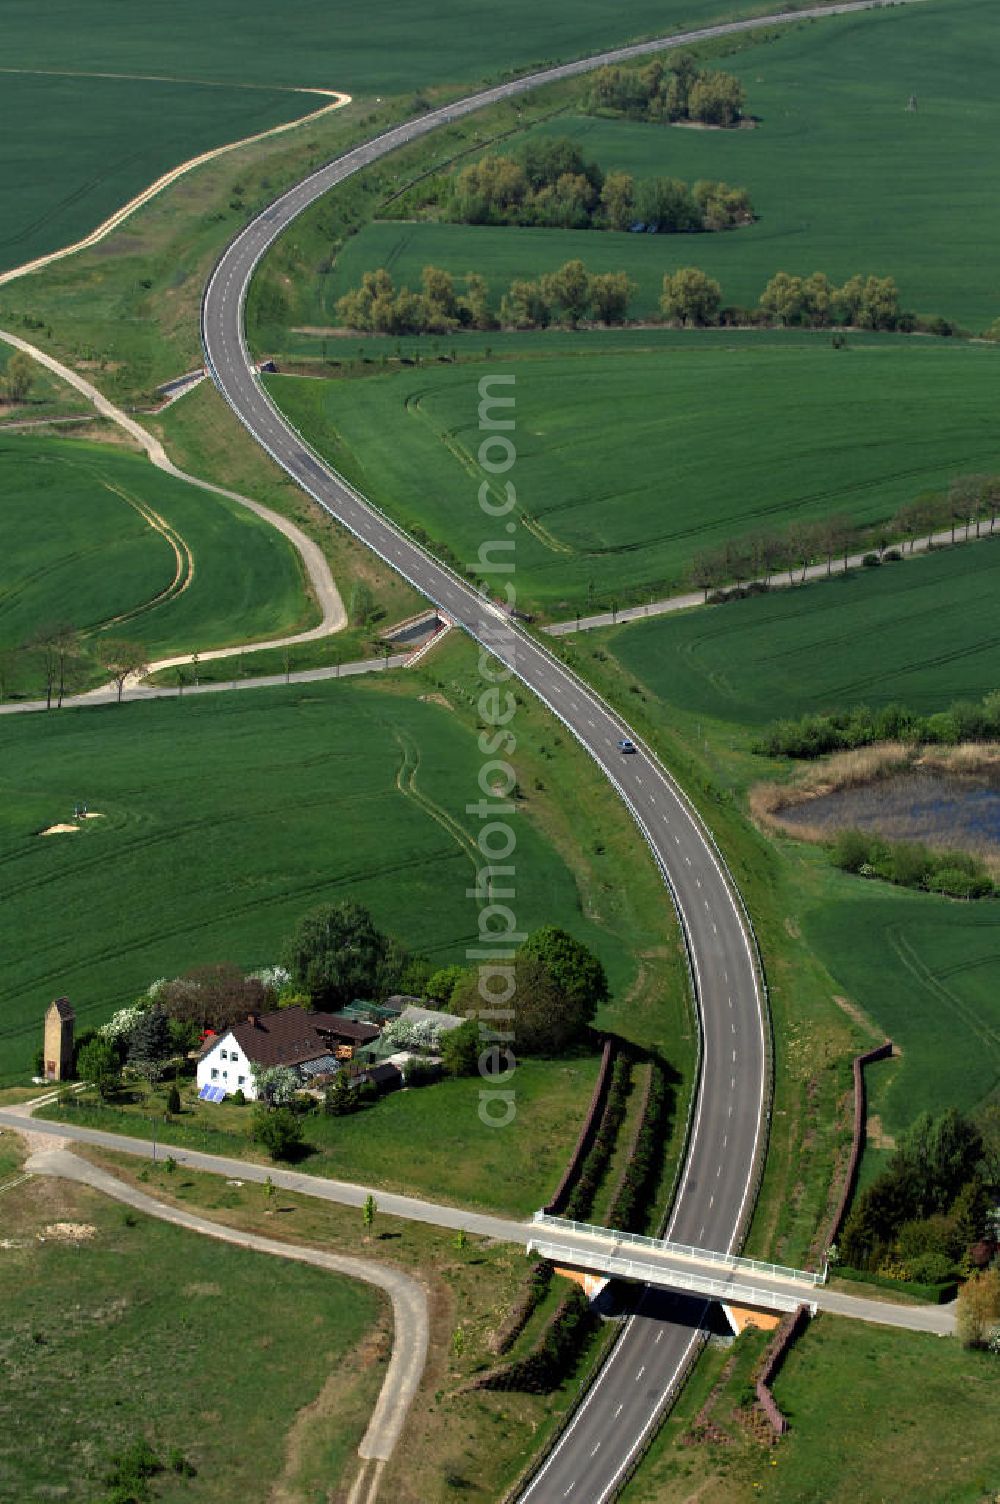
(938, 1320)
(729, 1128)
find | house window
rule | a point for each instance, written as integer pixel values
(223, 1055)
(225, 1075)
(215, 1074)
(240, 1080)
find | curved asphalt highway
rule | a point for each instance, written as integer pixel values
(728, 1131)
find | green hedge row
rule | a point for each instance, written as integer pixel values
(538, 1279)
(595, 1166)
(631, 1205)
(937, 1295)
(555, 1356)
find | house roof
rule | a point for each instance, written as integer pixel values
(291, 1036)
(445, 1021)
(63, 1007)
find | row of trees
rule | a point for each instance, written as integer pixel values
(567, 295)
(59, 660)
(970, 502)
(837, 731)
(678, 91)
(927, 1216)
(548, 184)
(691, 297)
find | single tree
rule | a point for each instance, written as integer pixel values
(149, 1043)
(20, 377)
(122, 660)
(978, 1307)
(368, 1214)
(568, 289)
(279, 1131)
(690, 297)
(578, 972)
(337, 955)
(460, 1048)
(97, 1064)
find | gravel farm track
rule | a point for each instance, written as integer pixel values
(728, 1131)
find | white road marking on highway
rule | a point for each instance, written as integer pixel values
(659, 1338)
(596, 1450)
(715, 928)
(730, 1109)
(619, 1411)
(734, 1057)
(718, 1172)
(569, 1490)
(730, 1002)
(732, 1087)
(725, 1139)
(711, 1201)
(688, 860)
(698, 881)
(639, 1375)
(734, 1027)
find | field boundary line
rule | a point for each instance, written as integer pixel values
(139, 201)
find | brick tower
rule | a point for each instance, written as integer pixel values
(59, 1020)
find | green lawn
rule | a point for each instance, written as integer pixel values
(842, 177)
(226, 817)
(809, 649)
(162, 1335)
(875, 1415)
(629, 461)
(429, 1141)
(97, 537)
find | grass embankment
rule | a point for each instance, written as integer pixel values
(473, 1443)
(96, 538)
(428, 1142)
(829, 98)
(304, 795)
(693, 458)
(876, 1414)
(164, 1335)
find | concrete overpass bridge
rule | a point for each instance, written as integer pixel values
(673, 1266)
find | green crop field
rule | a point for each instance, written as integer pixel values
(93, 143)
(137, 1320)
(94, 536)
(925, 968)
(810, 649)
(226, 817)
(324, 42)
(112, 107)
(842, 176)
(628, 464)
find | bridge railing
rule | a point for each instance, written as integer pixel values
(680, 1250)
(617, 1266)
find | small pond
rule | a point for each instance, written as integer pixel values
(933, 807)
